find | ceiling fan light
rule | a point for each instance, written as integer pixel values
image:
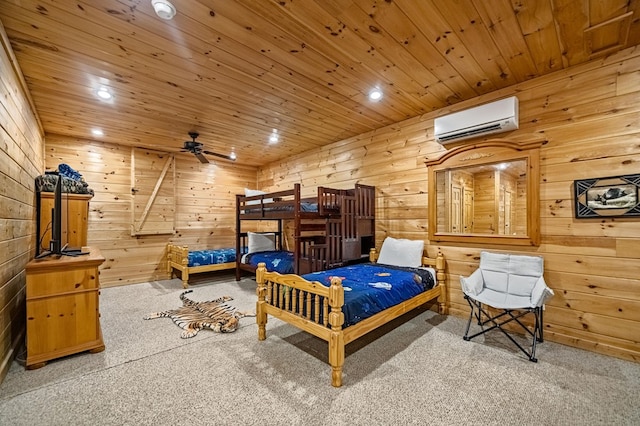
(232, 156)
(164, 9)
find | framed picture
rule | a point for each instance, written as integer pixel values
(615, 196)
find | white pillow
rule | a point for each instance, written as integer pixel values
(261, 242)
(401, 252)
(251, 192)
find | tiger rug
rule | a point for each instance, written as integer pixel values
(192, 316)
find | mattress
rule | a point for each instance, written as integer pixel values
(372, 288)
(211, 257)
(275, 260)
(304, 207)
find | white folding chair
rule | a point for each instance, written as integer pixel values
(512, 284)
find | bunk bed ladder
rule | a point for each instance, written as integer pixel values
(349, 229)
(334, 243)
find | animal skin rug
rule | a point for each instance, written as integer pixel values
(192, 316)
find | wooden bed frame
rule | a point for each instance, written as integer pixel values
(342, 226)
(272, 300)
(178, 258)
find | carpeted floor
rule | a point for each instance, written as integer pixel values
(417, 370)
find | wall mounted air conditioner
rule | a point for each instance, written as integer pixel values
(495, 117)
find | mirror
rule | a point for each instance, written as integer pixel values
(485, 193)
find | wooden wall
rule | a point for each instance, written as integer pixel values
(21, 160)
(590, 116)
(204, 204)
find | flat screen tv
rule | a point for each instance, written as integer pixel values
(57, 244)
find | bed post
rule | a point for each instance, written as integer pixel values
(336, 339)
(238, 230)
(373, 255)
(261, 291)
(296, 229)
(441, 278)
(169, 268)
(185, 278)
(184, 263)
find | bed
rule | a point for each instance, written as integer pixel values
(268, 247)
(288, 204)
(197, 261)
(281, 261)
(310, 304)
(334, 227)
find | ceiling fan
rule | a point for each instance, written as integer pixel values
(196, 149)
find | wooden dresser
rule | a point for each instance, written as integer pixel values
(63, 315)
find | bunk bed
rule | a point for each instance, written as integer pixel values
(319, 304)
(268, 247)
(198, 261)
(333, 228)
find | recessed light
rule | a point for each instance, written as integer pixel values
(97, 132)
(103, 93)
(375, 95)
(164, 9)
(274, 136)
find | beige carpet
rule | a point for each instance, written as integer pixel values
(415, 371)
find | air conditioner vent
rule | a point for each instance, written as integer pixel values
(495, 117)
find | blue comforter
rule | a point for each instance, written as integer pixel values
(372, 288)
(275, 261)
(212, 257)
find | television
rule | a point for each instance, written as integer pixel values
(58, 244)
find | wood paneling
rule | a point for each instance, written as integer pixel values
(239, 69)
(592, 130)
(236, 70)
(204, 204)
(21, 160)
(152, 212)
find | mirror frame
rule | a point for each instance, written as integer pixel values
(490, 152)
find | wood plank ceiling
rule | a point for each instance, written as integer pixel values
(236, 70)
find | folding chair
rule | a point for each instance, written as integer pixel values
(512, 284)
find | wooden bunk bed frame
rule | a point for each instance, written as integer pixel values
(178, 258)
(347, 223)
(274, 301)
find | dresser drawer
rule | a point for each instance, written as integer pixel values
(62, 282)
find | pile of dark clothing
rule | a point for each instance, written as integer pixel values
(72, 181)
